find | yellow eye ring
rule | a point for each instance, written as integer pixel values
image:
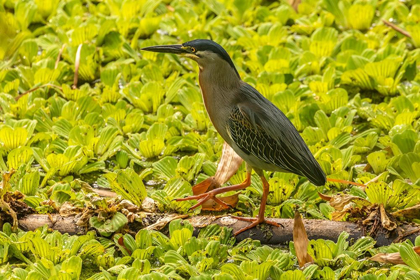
(192, 49)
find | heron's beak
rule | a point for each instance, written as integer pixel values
(177, 49)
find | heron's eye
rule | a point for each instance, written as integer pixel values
(192, 49)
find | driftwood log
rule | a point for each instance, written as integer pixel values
(316, 229)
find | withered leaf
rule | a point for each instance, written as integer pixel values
(409, 213)
(340, 201)
(394, 258)
(386, 222)
(211, 205)
(301, 241)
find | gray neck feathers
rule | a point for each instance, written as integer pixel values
(218, 80)
(220, 87)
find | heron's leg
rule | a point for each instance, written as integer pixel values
(260, 218)
(212, 194)
(228, 165)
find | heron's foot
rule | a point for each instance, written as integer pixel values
(254, 222)
(205, 197)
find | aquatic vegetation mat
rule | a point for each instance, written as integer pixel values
(83, 109)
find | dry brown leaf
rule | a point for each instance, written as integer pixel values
(301, 241)
(149, 205)
(339, 215)
(204, 186)
(211, 205)
(371, 218)
(76, 66)
(394, 258)
(386, 222)
(4, 206)
(104, 193)
(324, 196)
(228, 165)
(409, 213)
(68, 209)
(340, 201)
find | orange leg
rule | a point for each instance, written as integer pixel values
(260, 218)
(212, 194)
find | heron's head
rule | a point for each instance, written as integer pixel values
(205, 52)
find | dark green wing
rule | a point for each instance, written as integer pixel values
(252, 139)
(261, 129)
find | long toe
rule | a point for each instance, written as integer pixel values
(209, 201)
(254, 222)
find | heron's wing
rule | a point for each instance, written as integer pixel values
(251, 138)
(261, 129)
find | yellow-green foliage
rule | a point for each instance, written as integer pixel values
(135, 122)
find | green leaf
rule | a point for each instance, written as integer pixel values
(414, 31)
(405, 140)
(188, 167)
(17, 157)
(323, 41)
(29, 183)
(165, 168)
(378, 193)
(128, 184)
(378, 161)
(410, 166)
(234, 270)
(360, 16)
(13, 138)
(293, 275)
(410, 257)
(106, 137)
(72, 266)
(109, 226)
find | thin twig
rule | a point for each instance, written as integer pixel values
(35, 88)
(396, 28)
(59, 56)
(345, 182)
(76, 64)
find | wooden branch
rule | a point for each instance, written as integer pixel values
(316, 229)
(396, 28)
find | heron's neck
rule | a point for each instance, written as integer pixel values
(219, 84)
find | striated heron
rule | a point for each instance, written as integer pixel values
(249, 123)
